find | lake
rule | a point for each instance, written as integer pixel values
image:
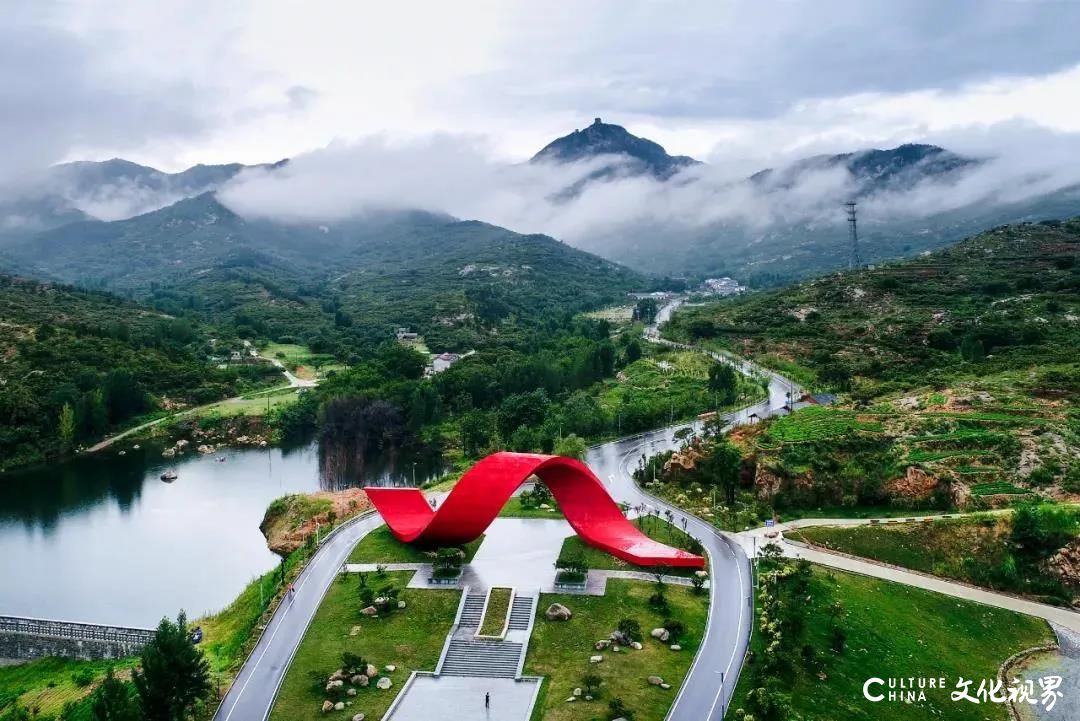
(101, 539)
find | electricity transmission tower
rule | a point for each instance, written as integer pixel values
(854, 261)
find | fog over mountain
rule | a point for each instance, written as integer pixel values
(627, 211)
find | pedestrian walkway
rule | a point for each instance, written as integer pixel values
(461, 698)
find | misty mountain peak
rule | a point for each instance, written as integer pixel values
(602, 138)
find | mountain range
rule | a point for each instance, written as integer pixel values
(148, 234)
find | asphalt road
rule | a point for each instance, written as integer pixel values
(253, 692)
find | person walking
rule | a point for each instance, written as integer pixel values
(487, 700)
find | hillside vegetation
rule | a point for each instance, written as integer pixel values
(957, 375)
(75, 364)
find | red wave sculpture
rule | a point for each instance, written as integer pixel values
(486, 487)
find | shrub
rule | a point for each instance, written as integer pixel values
(630, 628)
(590, 683)
(617, 709)
(837, 639)
(353, 662)
(675, 628)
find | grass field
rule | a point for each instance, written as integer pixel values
(514, 509)
(896, 631)
(652, 527)
(995, 488)
(300, 360)
(380, 546)
(817, 423)
(256, 405)
(498, 606)
(48, 684)
(560, 650)
(409, 639)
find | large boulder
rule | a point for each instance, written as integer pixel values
(371, 671)
(384, 683)
(660, 634)
(327, 706)
(557, 612)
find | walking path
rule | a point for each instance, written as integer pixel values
(753, 541)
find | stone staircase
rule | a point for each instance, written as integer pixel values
(471, 613)
(466, 655)
(475, 657)
(521, 613)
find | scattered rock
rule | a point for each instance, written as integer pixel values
(168, 453)
(371, 671)
(660, 634)
(571, 699)
(351, 692)
(596, 659)
(401, 604)
(361, 680)
(354, 630)
(338, 675)
(390, 668)
(666, 686)
(601, 645)
(655, 680)
(339, 706)
(327, 706)
(616, 649)
(577, 691)
(636, 645)
(588, 698)
(384, 683)
(358, 717)
(676, 647)
(557, 612)
(620, 638)
(370, 611)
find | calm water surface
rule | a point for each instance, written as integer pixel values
(102, 539)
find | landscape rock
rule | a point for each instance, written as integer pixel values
(601, 645)
(401, 604)
(358, 717)
(354, 630)
(666, 686)
(327, 706)
(390, 668)
(370, 611)
(577, 691)
(596, 659)
(588, 698)
(636, 645)
(351, 692)
(371, 671)
(359, 680)
(616, 649)
(557, 612)
(676, 647)
(339, 706)
(660, 634)
(655, 680)
(620, 638)
(168, 453)
(384, 683)
(338, 675)
(571, 699)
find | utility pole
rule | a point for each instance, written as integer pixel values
(854, 261)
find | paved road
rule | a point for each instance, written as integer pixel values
(253, 692)
(752, 542)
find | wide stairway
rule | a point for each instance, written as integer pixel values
(469, 656)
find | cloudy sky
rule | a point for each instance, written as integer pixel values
(177, 83)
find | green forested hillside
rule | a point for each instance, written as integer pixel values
(957, 372)
(333, 286)
(75, 363)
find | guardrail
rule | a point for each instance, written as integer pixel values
(74, 631)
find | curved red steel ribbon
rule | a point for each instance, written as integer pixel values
(486, 487)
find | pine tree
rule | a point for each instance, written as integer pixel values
(67, 428)
(173, 675)
(113, 701)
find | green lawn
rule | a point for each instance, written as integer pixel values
(49, 683)
(380, 546)
(974, 549)
(253, 406)
(514, 509)
(653, 528)
(899, 631)
(410, 639)
(560, 650)
(498, 606)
